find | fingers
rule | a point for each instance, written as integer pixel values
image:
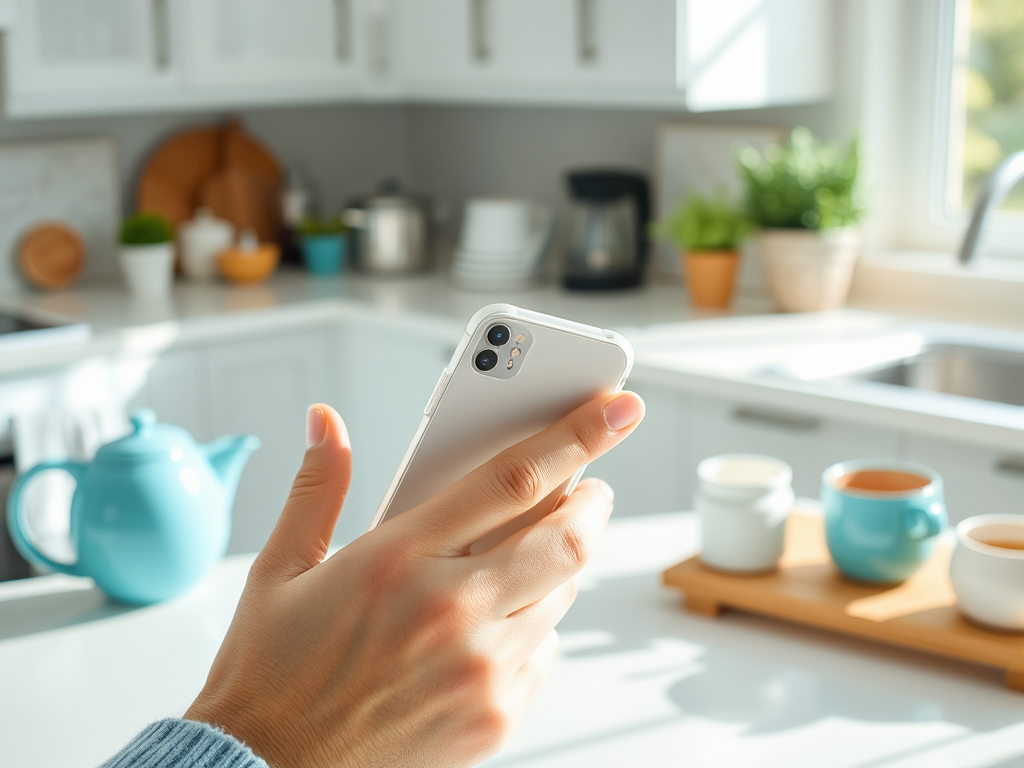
(526, 567)
(518, 478)
(535, 671)
(303, 532)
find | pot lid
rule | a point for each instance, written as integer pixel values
(148, 441)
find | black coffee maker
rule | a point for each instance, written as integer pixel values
(608, 222)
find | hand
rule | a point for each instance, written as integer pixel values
(403, 648)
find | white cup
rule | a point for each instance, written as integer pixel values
(743, 501)
(989, 579)
(497, 226)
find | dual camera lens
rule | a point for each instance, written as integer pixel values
(497, 336)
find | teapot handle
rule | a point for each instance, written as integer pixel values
(17, 521)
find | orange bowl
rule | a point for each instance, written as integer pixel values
(248, 267)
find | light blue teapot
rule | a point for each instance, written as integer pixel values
(151, 513)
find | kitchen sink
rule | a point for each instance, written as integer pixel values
(934, 360)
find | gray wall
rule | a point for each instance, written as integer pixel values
(452, 151)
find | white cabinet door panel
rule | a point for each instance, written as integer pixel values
(269, 41)
(263, 388)
(94, 46)
(809, 444)
(627, 42)
(977, 480)
(644, 471)
(177, 389)
(389, 375)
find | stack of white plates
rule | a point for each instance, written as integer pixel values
(502, 246)
(494, 271)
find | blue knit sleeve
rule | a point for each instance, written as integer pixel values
(174, 743)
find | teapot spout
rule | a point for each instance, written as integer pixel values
(228, 456)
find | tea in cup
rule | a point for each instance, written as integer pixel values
(987, 570)
(881, 517)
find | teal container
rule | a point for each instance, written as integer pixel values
(324, 254)
(881, 536)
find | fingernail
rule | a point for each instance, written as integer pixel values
(623, 411)
(607, 490)
(316, 426)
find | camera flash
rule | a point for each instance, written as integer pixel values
(520, 339)
(515, 352)
(509, 366)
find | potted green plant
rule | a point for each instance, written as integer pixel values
(804, 198)
(147, 254)
(707, 231)
(323, 244)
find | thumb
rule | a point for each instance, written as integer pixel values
(303, 532)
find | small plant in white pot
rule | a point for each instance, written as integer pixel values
(803, 197)
(147, 254)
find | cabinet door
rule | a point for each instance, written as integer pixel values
(175, 387)
(977, 480)
(263, 388)
(389, 374)
(809, 444)
(71, 54)
(486, 42)
(746, 54)
(626, 43)
(298, 42)
(644, 471)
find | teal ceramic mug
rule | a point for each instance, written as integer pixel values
(881, 517)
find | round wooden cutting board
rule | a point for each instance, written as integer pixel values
(51, 255)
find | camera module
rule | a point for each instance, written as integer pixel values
(499, 335)
(487, 359)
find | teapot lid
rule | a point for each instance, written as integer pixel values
(148, 441)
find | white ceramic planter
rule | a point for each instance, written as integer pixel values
(148, 269)
(989, 580)
(743, 501)
(806, 270)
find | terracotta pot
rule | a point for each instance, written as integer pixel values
(806, 270)
(710, 276)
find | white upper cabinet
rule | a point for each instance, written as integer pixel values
(76, 56)
(71, 55)
(745, 54)
(595, 51)
(300, 43)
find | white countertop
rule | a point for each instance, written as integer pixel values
(637, 681)
(720, 353)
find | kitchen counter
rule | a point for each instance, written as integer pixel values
(726, 354)
(637, 681)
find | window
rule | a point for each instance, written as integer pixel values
(987, 104)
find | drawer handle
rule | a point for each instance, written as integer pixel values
(791, 422)
(161, 35)
(343, 30)
(586, 20)
(478, 31)
(1011, 465)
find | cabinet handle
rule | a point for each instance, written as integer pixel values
(792, 422)
(379, 37)
(586, 21)
(161, 35)
(343, 30)
(479, 42)
(1011, 465)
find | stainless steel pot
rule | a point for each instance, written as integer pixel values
(391, 233)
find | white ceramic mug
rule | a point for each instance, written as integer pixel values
(987, 570)
(498, 226)
(744, 501)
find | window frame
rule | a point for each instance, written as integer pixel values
(919, 105)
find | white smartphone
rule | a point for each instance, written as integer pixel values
(514, 373)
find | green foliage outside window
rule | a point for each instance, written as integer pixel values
(995, 93)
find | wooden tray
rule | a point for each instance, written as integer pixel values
(920, 613)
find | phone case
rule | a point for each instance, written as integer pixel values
(473, 415)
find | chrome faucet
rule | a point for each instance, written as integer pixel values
(991, 195)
